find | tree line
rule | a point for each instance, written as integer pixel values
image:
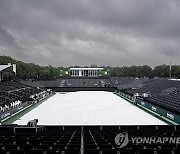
(31, 70)
(146, 71)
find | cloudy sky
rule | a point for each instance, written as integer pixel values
(85, 32)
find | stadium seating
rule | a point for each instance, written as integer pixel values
(72, 82)
(161, 92)
(96, 139)
(13, 94)
(84, 139)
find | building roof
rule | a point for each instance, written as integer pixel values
(3, 67)
(86, 68)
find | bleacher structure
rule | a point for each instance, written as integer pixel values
(16, 139)
(72, 82)
(159, 97)
(15, 97)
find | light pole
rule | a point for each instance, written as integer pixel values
(170, 71)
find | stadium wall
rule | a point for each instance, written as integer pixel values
(72, 89)
(13, 111)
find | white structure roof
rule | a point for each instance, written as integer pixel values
(86, 69)
(2, 67)
(175, 79)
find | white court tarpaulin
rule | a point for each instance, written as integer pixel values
(88, 108)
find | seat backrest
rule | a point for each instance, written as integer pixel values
(91, 151)
(146, 151)
(16, 151)
(36, 151)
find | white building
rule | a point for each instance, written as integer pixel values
(93, 72)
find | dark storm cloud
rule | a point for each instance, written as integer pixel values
(85, 32)
(9, 44)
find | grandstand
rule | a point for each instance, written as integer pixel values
(159, 97)
(16, 97)
(161, 92)
(84, 115)
(86, 139)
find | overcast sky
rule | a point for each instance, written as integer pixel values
(85, 32)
